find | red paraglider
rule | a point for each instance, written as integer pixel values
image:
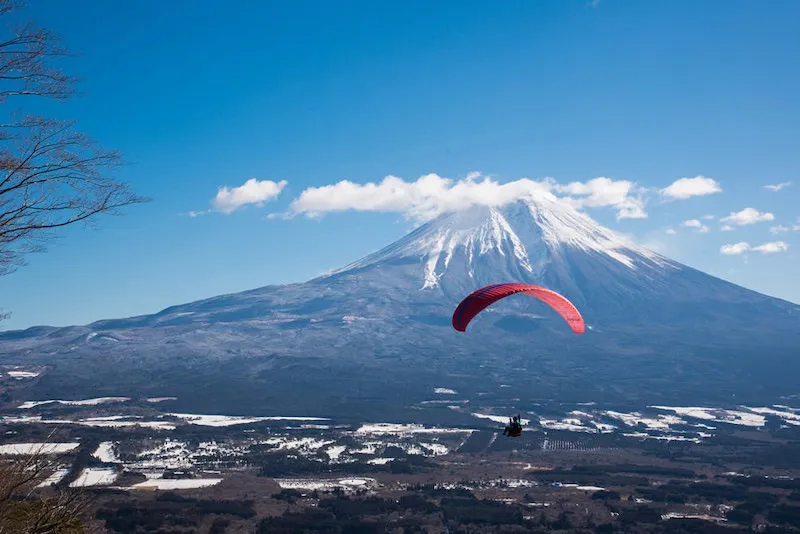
(475, 302)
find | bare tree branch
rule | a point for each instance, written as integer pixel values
(51, 176)
(23, 61)
(24, 508)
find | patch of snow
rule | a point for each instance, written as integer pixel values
(788, 416)
(498, 418)
(92, 476)
(306, 444)
(645, 435)
(335, 452)
(228, 420)
(54, 478)
(445, 391)
(216, 420)
(155, 425)
(100, 422)
(578, 486)
(519, 483)
(353, 318)
(37, 448)
(604, 428)
(661, 422)
(105, 453)
(406, 429)
(732, 417)
(353, 482)
(85, 402)
(323, 484)
(98, 335)
(20, 375)
(160, 399)
(569, 424)
(176, 483)
(367, 448)
(436, 449)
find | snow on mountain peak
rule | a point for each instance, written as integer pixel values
(524, 235)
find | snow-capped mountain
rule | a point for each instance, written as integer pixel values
(543, 240)
(527, 241)
(388, 314)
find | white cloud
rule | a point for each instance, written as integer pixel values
(431, 195)
(252, 191)
(605, 192)
(684, 188)
(772, 247)
(727, 228)
(671, 231)
(777, 187)
(747, 216)
(695, 223)
(767, 248)
(778, 229)
(735, 248)
(427, 197)
(707, 217)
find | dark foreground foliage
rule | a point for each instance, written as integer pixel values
(170, 510)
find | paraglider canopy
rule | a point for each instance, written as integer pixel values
(478, 300)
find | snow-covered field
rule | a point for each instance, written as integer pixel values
(228, 420)
(399, 429)
(86, 402)
(499, 418)
(20, 375)
(733, 417)
(105, 453)
(55, 477)
(678, 424)
(324, 484)
(176, 483)
(114, 421)
(375, 443)
(92, 476)
(37, 448)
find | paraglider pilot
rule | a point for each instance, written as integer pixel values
(514, 427)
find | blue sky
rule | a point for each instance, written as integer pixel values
(201, 97)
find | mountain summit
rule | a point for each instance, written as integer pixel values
(382, 323)
(543, 240)
(517, 241)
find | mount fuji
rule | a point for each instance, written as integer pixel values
(377, 332)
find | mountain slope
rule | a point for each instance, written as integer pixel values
(383, 322)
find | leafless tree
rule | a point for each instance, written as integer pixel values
(51, 176)
(27, 506)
